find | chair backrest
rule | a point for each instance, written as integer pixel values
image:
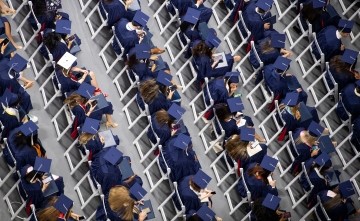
(154, 132)
(277, 109)
(291, 138)
(241, 19)
(178, 197)
(101, 7)
(10, 152)
(117, 39)
(208, 92)
(56, 82)
(307, 176)
(245, 185)
(317, 46)
(32, 12)
(347, 112)
(215, 123)
(331, 77)
(168, 169)
(2, 128)
(321, 206)
(102, 197)
(32, 216)
(256, 54)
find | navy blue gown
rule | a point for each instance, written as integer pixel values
(267, 57)
(328, 42)
(230, 127)
(94, 145)
(116, 10)
(128, 39)
(203, 67)
(218, 91)
(291, 123)
(351, 103)
(190, 200)
(341, 78)
(160, 102)
(355, 139)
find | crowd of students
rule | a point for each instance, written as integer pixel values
(158, 94)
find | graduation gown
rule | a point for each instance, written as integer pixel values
(355, 139)
(3, 20)
(267, 58)
(128, 39)
(182, 5)
(94, 145)
(328, 42)
(218, 91)
(291, 123)
(67, 84)
(162, 131)
(342, 79)
(116, 10)
(203, 67)
(351, 103)
(318, 182)
(337, 212)
(190, 200)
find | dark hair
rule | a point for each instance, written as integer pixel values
(340, 66)
(201, 49)
(194, 185)
(261, 11)
(22, 140)
(163, 117)
(131, 61)
(184, 26)
(263, 213)
(222, 111)
(51, 40)
(261, 172)
(39, 7)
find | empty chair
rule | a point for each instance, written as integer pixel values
(257, 102)
(187, 81)
(11, 169)
(158, 17)
(56, 88)
(128, 109)
(84, 4)
(180, 213)
(201, 96)
(69, 154)
(290, 148)
(58, 121)
(223, 157)
(270, 132)
(221, 21)
(348, 148)
(119, 82)
(9, 197)
(284, 10)
(103, 21)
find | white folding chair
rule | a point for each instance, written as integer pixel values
(56, 88)
(353, 35)
(83, 157)
(194, 107)
(103, 21)
(349, 150)
(295, 202)
(34, 61)
(129, 111)
(158, 18)
(119, 82)
(139, 141)
(84, 4)
(316, 62)
(170, 46)
(347, 8)
(102, 197)
(322, 209)
(109, 66)
(189, 79)
(221, 21)
(150, 175)
(288, 146)
(228, 194)
(354, 181)
(32, 216)
(236, 46)
(12, 170)
(283, 11)
(19, 29)
(272, 117)
(229, 170)
(179, 213)
(259, 97)
(61, 129)
(14, 211)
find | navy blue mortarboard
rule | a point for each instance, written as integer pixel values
(137, 191)
(176, 111)
(192, 15)
(305, 114)
(326, 145)
(17, 63)
(282, 63)
(233, 76)
(53, 5)
(142, 51)
(315, 129)
(247, 134)
(349, 56)
(8, 98)
(67, 60)
(182, 141)
(291, 99)
(113, 155)
(278, 40)
(63, 26)
(322, 159)
(205, 213)
(292, 83)
(28, 128)
(90, 126)
(269, 163)
(141, 18)
(271, 201)
(212, 41)
(201, 179)
(164, 78)
(357, 83)
(205, 30)
(264, 4)
(346, 189)
(235, 104)
(319, 3)
(345, 25)
(125, 168)
(86, 90)
(63, 204)
(101, 102)
(42, 164)
(271, 20)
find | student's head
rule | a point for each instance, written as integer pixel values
(340, 66)
(236, 148)
(74, 99)
(194, 185)
(222, 111)
(258, 172)
(50, 213)
(149, 90)
(22, 140)
(201, 49)
(163, 117)
(121, 203)
(51, 40)
(265, 46)
(308, 137)
(85, 137)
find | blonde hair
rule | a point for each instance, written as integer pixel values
(74, 99)
(310, 140)
(121, 203)
(149, 90)
(50, 213)
(85, 137)
(236, 148)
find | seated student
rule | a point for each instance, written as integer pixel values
(329, 39)
(58, 208)
(240, 5)
(257, 179)
(133, 32)
(204, 213)
(338, 203)
(206, 64)
(105, 170)
(342, 69)
(24, 145)
(350, 101)
(6, 10)
(120, 205)
(150, 94)
(269, 49)
(5, 29)
(355, 138)
(193, 191)
(267, 208)
(35, 184)
(168, 87)
(116, 9)
(56, 46)
(244, 149)
(180, 157)
(319, 14)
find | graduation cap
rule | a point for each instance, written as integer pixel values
(291, 99)
(63, 26)
(86, 90)
(319, 3)
(326, 145)
(42, 164)
(205, 30)
(264, 4)
(164, 78)
(282, 63)
(346, 189)
(53, 5)
(233, 77)
(17, 63)
(345, 25)
(67, 60)
(113, 155)
(175, 111)
(141, 18)
(306, 116)
(271, 201)
(212, 41)
(91, 126)
(278, 40)
(192, 15)
(247, 134)
(322, 159)
(315, 129)
(101, 102)
(235, 104)
(271, 20)
(142, 51)
(28, 128)
(205, 213)
(137, 191)
(182, 141)
(201, 179)
(8, 98)
(349, 56)
(269, 163)
(63, 204)
(125, 169)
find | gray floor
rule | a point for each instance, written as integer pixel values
(89, 57)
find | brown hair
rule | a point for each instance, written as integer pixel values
(236, 148)
(310, 140)
(265, 46)
(50, 213)
(121, 203)
(149, 90)
(340, 66)
(333, 202)
(258, 171)
(85, 137)
(194, 185)
(201, 49)
(222, 111)
(163, 117)
(74, 99)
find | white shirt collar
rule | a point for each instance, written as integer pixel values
(130, 27)
(338, 35)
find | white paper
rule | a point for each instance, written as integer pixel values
(223, 58)
(252, 151)
(241, 122)
(330, 194)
